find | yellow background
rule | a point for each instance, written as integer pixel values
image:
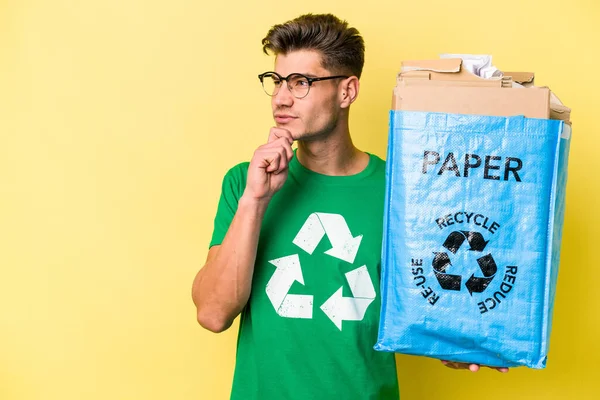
(118, 119)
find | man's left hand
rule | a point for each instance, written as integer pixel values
(471, 367)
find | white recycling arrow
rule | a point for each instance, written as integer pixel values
(288, 305)
(339, 308)
(317, 225)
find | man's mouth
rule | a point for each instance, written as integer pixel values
(284, 118)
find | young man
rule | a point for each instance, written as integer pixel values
(296, 247)
(297, 241)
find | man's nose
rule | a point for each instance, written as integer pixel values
(284, 96)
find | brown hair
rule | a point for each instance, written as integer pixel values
(342, 48)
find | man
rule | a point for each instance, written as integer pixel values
(296, 247)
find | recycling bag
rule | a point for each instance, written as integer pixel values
(472, 231)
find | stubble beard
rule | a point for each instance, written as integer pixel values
(313, 135)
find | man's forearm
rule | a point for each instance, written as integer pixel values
(222, 287)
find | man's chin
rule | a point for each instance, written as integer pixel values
(298, 134)
(309, 136)
(292, 131)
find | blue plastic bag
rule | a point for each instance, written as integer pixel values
(472, 231)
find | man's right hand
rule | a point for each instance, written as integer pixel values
(268, 168)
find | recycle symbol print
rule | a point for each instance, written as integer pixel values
(441, 263)
(288, 270)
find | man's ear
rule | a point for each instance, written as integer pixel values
(349, 91)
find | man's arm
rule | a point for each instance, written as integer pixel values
(222, 287)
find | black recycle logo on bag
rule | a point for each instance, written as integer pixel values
(442, 264)
(467, 240)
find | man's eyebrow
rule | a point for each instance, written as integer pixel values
(307, 74)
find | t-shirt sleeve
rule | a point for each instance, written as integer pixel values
(232, 189)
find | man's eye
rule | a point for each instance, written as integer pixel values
(301, 83)
(276, 82)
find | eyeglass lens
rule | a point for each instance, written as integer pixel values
(297, 84)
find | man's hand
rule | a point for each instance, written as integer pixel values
(471, 367)
(268, 168)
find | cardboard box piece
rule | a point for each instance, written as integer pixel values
(445, 72)
(444, 86)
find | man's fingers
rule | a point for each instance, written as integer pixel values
(273, 161)
(459, 365)
(275, 155)
(280, 133)
(451, 364)
(289, 152)
(471, 367)
(281, 145)
(282, 162)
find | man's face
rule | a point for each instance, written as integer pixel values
(315, 115)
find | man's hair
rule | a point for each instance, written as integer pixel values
(342, 48)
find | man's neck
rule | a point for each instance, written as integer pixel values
(334, 155)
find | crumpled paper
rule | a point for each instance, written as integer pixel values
(477, 64)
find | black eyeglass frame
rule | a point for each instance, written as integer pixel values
(286, 79)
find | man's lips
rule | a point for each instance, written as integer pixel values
(284, 118)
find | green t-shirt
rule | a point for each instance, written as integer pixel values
(309, 327)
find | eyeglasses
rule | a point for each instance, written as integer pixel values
(298, 84)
